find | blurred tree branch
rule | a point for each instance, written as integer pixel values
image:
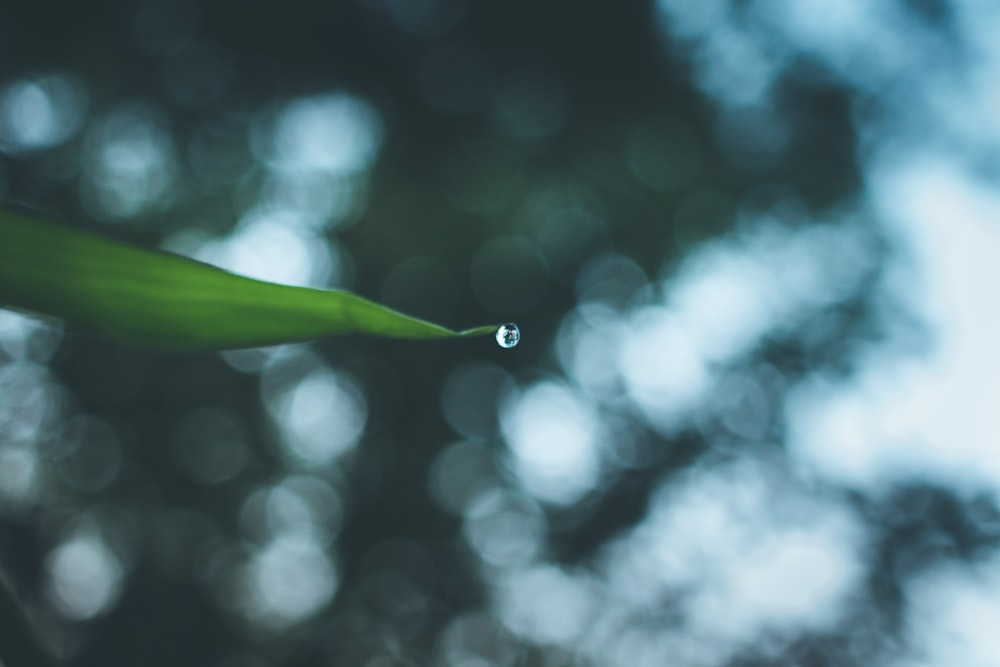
(19, 641)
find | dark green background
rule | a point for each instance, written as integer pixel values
(449, 179)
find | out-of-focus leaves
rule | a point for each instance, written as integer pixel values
(159, 300)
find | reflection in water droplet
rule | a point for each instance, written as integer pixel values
(508, 335)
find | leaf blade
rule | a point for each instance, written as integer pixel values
(159, 300)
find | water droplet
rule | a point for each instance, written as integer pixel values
(508, 335)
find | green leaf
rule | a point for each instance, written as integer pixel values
(159, 300)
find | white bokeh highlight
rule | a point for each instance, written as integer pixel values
(553, 434)
(85, 578)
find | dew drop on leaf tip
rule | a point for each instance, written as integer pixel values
(508, 335)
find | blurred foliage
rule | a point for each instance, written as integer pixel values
(565, 165)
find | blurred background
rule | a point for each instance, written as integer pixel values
(752, 249)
